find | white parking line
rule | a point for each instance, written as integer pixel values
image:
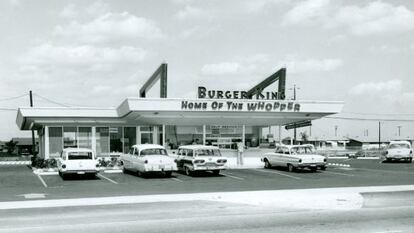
(234, 177)
(338, 173)
(275, 172)
(176, 179)
(41, 180)
(106, 178)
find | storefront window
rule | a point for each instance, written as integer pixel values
(102, 141)
(146, 134)
(70, 137)
(85, 137)
(115, 134)
(130, 137)
(55, 141)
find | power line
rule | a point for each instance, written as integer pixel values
(366, 119)
(384, 114)
(51, 101)
(14, 97)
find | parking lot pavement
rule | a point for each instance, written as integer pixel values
(18, 180)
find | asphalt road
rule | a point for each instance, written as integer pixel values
(16, 181)
(205, 216)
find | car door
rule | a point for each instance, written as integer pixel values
(275, 157)
(180, 158)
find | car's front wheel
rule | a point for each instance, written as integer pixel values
(188, 172)
(168, 173)
(291, 168)
(267, 164)
(216, 172)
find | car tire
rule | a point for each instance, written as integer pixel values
(188, 172)
(124, 170)
(323, 168)
(216, 172)
(140, 174)
(313, 169)
(168, 173)
(410, 160)
(291, 168)
(267, 164)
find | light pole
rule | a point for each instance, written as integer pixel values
(294, 98)
(336, 130)
(399, 130)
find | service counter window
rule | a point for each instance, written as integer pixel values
(55, 141)
(115, 135)
(102, 141)
(70, 137)
(146, 134)
(85, 137)
(130, 137)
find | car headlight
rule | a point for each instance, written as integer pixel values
(300, 160)
(63, 166)
(325, 160)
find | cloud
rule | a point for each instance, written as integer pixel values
(48, 54)
(95, 9)
(225, 68)
(190, 12)
(373, 88)
(306, 12)
(260, 5)
(371, 19)
(296, 65)
(110, 26)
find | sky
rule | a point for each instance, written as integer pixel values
(97, 53)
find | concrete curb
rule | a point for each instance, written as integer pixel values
(326, 198)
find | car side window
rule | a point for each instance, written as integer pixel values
(136, 152)
(190, 153)
(131, 151)
(279, 150)
(286, 151)
(180, 152)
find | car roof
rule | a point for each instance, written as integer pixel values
(195, 147)
(400, 142)
(76, 149)
(295, 146)
(148, 146)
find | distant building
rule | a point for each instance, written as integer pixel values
(24, 145)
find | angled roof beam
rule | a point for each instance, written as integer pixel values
(280, 76)
(159, 74)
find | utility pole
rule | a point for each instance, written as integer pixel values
(399, 130)
(33, 134)
(336, 130)
(379, 135)
(294, 98)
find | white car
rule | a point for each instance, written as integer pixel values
(399, 150)
(148, 158)
(195, 158)
(295, 157)
(79, 161)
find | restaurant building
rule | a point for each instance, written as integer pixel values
(216, 117)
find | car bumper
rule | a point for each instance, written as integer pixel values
(208, 168)
(397, 157)
(311, 165)
(160, 168)
(80, 172)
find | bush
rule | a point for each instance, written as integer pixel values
(43, 163)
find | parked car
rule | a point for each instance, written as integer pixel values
(295, 157)
(194, 158)
(148, 158)
(399, 150)
(79, 161)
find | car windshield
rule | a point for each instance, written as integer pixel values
(154, 151)
(301, 150)
(79, 155)
(208, 152)
(399, 146)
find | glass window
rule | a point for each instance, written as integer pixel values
(70, 139)
(190, 153)
(79, 155)
(399, 146)
(55, 141)
(208, 152)
(153, 151)
(102, 141)
(115, 134)
(130, 137)
(85, 137)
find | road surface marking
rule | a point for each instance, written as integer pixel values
(389, 171)
(106, 178)
(176, 179)
(41, 180)
(338, 173)
(275, 172)
(234, 177)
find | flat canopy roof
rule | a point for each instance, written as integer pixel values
(159, 111)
